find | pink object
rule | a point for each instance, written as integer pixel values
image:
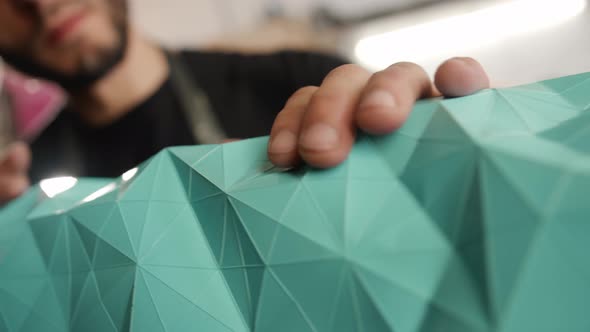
(35, 103)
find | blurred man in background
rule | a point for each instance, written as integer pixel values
(129, 98)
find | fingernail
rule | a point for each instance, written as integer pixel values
(320, 137)
(379, 99)
(285, 141)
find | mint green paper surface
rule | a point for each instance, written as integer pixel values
(475, 216)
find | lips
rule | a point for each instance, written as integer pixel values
(61, 31)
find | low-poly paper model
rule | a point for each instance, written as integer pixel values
(475, 216)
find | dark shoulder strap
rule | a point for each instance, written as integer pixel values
(194, 103)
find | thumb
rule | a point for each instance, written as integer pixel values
(16, 158)
(14, 164)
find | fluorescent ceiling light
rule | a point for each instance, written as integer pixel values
(457, 34)
(56, 186)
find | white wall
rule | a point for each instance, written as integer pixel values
(193, 22)
(554, 51)
(180, 22)
(561, 50)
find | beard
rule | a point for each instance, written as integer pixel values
(88, 72)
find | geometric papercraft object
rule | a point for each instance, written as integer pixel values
(472, 217)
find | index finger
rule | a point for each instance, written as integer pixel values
(328, 130)
(390, 95)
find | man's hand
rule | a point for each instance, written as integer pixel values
(14, 164)
(318, 124)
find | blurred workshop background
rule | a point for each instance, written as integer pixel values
(517, 41)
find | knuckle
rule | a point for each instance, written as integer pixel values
(324, 103)
(346, 70)
(385, 79)
(404, 65)
(283, 117)
(281, 114)
(303, 92)
(402, 75)
(300, 98)
(306, 90)
(288, 117)
(405, 70)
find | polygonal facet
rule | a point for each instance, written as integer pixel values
(473, 217)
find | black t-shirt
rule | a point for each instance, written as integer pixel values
(245, 93)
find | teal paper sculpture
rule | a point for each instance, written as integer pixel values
(475, 216)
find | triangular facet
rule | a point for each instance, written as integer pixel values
(511, 225)
(46, 232)
(212, 167)
(270, 194)
(356, 309)
(196, 186)
(178, 313)
(116, 288)
(168, 183)
(115, 233)
(246, 285)
(278, 310)
(314, 286)
(244, 159)
(205, 289)
(145, 316)
(260, 227)
(141, 186)
(180, 244)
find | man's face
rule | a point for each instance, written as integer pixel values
(63, 40)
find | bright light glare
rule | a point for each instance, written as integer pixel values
(129, 174)
(100, 192)
(457, 34)
(56, 186)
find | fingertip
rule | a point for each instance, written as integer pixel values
(20, 185)
(324, 159)
(389, 97)
(460, 76)
(283, 160)
(379, 120)
(14, 188)
(282, 148)
(289, 159)
(324, 146)
(378, 113)
(18, 156)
